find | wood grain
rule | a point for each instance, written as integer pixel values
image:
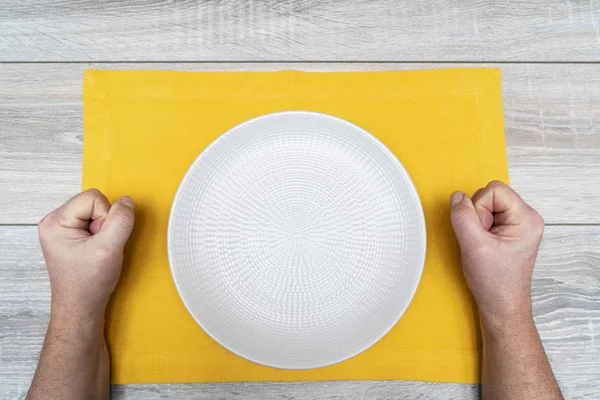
(328, 390)
(552, 122)
(566, 298)
(305, 30)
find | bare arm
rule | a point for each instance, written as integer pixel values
(500, 235)
(83, 245)
(74, 362)
(514, 363)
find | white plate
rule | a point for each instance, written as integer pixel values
(296, 240)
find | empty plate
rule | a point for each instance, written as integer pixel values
(296, 240)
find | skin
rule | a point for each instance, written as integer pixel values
(499, 236)
(83, 243)
(498, 232)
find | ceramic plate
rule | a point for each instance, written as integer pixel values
(296, 240)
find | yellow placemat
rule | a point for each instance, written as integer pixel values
(143, 129)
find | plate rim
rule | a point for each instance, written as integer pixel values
(385, 149)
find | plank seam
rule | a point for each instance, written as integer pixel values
(302, 62)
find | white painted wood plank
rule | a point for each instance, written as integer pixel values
(328, 390)
(306, 30)
(552, 122)
(566, 298)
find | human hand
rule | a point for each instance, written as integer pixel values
(83, 243)
(499, 236)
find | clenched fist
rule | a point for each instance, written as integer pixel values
(83, 243)
(499, 236)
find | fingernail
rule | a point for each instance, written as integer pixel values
(456, 198)
(127, 201)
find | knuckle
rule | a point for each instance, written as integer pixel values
(459, 213)
(104, 252)
(537, 222)
(88, 195)
(63, 220)
(125, 217)
(93, 191)
(474, 249)
(497, 184)
(44, 225)
(456, 216)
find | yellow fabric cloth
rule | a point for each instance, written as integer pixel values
(143, 129)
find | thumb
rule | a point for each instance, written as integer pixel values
(118, 224)
(465, 220)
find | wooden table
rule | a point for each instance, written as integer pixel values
(549, 52)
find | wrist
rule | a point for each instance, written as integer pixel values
(498, 325)
(76, 318)
(505, 309)
(76, 305)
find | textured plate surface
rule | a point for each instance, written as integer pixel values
(296, 240)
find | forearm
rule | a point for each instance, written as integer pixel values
(74, 360)
(515, 365)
